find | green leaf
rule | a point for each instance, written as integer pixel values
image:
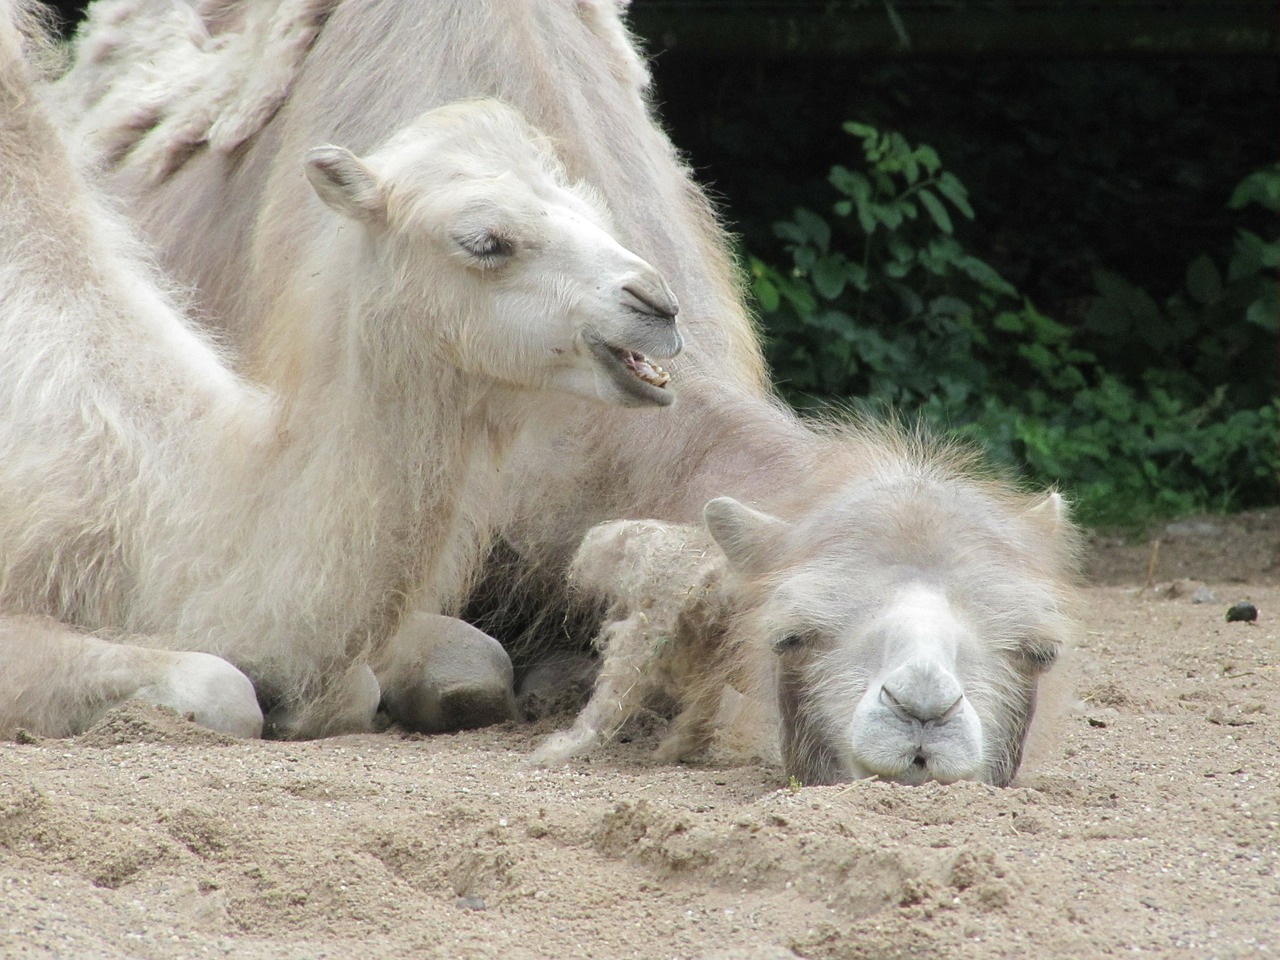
(814, 227)
(928, 158)
(829, 276)
(1204, 282)
(846, 180)
(949, 306)
(800, 296)
(900, 249)
(766, 294)
(986, 275)
(936, 210)
(1010, 322)
(860, 130)
(857, 274)
(1251, 254)
(786, 230)
(866, 216)
(1265, 311)
(834, 321)
(888, 214)
(911, 301)
(950, 187)
(1133, 300)
(1261, 187)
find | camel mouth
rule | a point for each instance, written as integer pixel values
(644, 368)
(638, 377)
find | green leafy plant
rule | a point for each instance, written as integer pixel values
(1148, 409)
(1218, 329)
(881, 293)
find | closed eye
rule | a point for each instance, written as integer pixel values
(1039, 653)
(487, 248)
(792, 642)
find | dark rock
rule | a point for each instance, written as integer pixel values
(1244, 612)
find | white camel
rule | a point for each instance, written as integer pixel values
(148, 491)
(230, 224)
(912, 651)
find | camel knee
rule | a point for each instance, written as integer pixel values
(442, 674)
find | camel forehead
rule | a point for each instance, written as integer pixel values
(852, 579)
(911, 520)
(473, 140)
(478, 160)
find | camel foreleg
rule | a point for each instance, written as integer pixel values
(55, 682)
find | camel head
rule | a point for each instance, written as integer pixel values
(479, 234)
(909, 623)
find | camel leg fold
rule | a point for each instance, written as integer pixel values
(348, 704)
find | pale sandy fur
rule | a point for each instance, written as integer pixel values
(571, 69)
(688, 625)
(151, 491)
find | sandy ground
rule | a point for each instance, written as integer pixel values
(1151, 824)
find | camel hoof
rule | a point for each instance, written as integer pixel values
(561, 683)
(474, 705)
(448, 676)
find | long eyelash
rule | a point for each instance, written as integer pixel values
(486, 245)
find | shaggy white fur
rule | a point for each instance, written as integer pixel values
(234, 228)
(147, 490)
(899, 629)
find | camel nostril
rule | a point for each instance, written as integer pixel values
(659, 304)
(893, 703)
(952, 710)
(910, 706)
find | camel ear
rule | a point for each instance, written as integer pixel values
(345, 184)
(748, 537)
(1051, 511)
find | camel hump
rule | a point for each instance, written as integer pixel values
(180, 78)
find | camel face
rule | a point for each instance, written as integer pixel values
(908, 637)
(480, 231)
(914, 681)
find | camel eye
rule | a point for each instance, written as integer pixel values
(791, 642)
(1039, 653)
(487, 248)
